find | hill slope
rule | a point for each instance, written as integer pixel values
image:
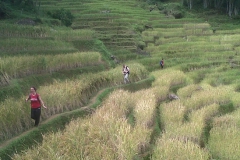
(201, 70)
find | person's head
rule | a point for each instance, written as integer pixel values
(33, 90)
(124, 66)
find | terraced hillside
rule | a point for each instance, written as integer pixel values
(190, 110)
(116, 22)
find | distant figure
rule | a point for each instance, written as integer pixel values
(36, 102)
(162, 63)
(126, 72)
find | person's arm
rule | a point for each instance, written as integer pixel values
(40, 99)
(27, 98)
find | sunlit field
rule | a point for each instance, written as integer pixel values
(189, 109)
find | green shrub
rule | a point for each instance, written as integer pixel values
(4, 10)
(174, 9)
(63, 15)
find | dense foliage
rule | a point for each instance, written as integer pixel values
(230, 6)
(6, 6)
(63, 15)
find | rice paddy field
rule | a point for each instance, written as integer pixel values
(187, 110)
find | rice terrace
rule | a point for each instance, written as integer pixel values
(73, 51)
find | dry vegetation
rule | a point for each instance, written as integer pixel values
(201, 69)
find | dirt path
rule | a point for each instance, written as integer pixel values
(87, 107)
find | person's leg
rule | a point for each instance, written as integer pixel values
(126, 78)
(37, 114)
(32, 113)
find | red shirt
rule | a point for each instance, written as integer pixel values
(35, 102)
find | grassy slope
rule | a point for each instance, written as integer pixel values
(205, 57)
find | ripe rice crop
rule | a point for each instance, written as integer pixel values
(226, 39)
(104, 135)
(72, 35)
(31, 46)
(206, 97)
(176, 149)
(193, 46)
(182, 140)
(24, 31)
(16, 67)
(61, 96)
(196, 26)
(164, 80)
(145, 108)
(232, 31)
(187, 91)
(172, 115)
(224, 137)
(7, 30)
(162, 41)
(168, 77)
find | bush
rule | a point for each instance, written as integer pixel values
(64, 16)
(3, 10)
(138, 28)
(173, 9)
(141, 44)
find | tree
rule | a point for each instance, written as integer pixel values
(190, 4)
(65, 16)
(218, 3)
(207, 4)
(232, 7)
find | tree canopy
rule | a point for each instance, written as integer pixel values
(231, 6)
(7, 5)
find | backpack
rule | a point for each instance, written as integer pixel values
(128, 69)
(161, 62)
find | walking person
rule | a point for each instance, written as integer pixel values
(162, 63)
(126, 72)
(36, 103)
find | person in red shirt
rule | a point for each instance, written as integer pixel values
(36, 102)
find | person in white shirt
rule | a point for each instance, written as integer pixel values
(126, 72)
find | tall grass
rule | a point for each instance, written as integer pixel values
(61, 96)
(175, 149)
(224, 137)
(72, 35)
(11, 30)
(182, 140)
(106, 134)
(171, 114)
(186, 92)
(39, 32)
(145, 108)
(205, 97)
(190, 46)
(91, 138)
(22, 45)
(166, 79)
(21, 66)
(223, 39)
